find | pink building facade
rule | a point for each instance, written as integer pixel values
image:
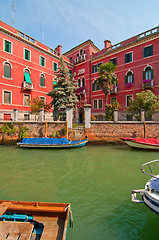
(28, 69)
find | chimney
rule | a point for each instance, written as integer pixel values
(58, 49)
(107, 44)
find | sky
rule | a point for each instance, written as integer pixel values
(72, 22)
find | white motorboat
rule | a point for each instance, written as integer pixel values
(150, 195)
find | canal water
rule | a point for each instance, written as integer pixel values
(96, 180)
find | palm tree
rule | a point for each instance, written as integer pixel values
(107, 78)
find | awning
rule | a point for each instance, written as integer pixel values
(27, 77)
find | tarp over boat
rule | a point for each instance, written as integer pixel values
(43, 141)
(142, 143)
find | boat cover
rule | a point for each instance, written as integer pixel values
(43, 141)
(153, 141)
(154, 184)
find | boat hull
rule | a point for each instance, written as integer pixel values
(141, 145)
(71, 144)
(151, 200)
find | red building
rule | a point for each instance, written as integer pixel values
(28, 67)
(27, 71)
(137, 61)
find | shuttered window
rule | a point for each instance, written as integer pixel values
(55, 67)
(42, 80)
(42, 61)
(148, 51)
(114, 61)
(129, 78)
(128, 57)
(148, 73)
(7, 70)
(26, 54)
(7, 97)
(26, 99)
(94, 104)
(7, 46)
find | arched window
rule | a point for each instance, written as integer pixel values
(42, 80)
(79, 83)
(148, 73)
(83, 82)
(129, 78)
(81, 52)
(7, 70)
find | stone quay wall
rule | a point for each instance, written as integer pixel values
(99, 132)
(110, 132)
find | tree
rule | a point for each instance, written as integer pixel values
(107, 77)
(63, 92)
(36, 105)
(109, 109)
(146, 101)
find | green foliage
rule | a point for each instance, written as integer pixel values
(74, 125)
(22, 133)
(107, 77)
(109, 110)
(146, 101)
(52, 135)
(61, 132)
(8, 128)
(36, 105)
(63, 92)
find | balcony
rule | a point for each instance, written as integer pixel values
(80, 58)
(27, 86)
(148, 83)
(114, 89)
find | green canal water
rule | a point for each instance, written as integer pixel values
(96, 180)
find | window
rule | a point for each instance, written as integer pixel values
(26, 116)
(26, 54)
(100, 103)
(7, 70)
(148, 51)
(7, 46)
(42, 99)
(42, 80)
(79, 83)
(129, 79)
(128, 57)
(95, 67)
(27, 78)
(55, 67)
(42, 61)
(7, 97)
(83, 82)
(128, 100)
(148, 73)
(112, 100)
(95, 104)
(114, 61)
(95, 86)
(26, 99)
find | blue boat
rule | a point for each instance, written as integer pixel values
(51, 143)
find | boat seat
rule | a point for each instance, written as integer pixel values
(16, 230)
(154, 184)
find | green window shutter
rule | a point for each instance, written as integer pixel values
(126, 79)
(93, 87)
(151, 50)
(7, 70)
(27, 77)
(116, 61)
(125, 58)
(130, 55)
(144, 52)
(132, 78)
(55, 67)
(151, 73)
(9, 47)
(42, 81)
(144, 75)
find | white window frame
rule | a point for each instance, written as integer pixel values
(131, 95)
(24, 54)
(4, 45)
(98, 103)
(93, 103)
(10, 97)
(132, 56)
(44, 61)
(29, 99)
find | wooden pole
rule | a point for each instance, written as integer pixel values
(67, 129)
(145, 130)
(45, 129)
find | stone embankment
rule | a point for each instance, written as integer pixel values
(98, 133)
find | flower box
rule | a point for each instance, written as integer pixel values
(129, 84)
(146, 80)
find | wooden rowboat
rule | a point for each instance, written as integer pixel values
(33, 220)
(50, 143)
(142, 143)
